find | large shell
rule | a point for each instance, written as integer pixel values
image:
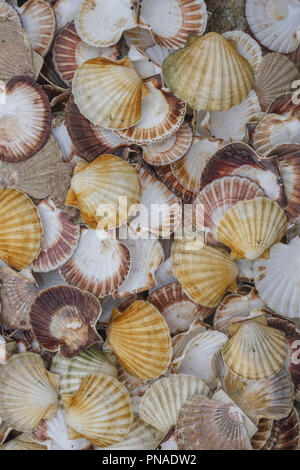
(277, 279)
(275, 24)
(192, 74)
(99, 265)
(205, 273)
(250, 228)
(140, 337)
(28, 392)
(100, 411)
(21, 230)
(17, 293)
(104, 191)
(162, 402)
(205, 424)
(90, 361)
(109, 93)
(25, 119)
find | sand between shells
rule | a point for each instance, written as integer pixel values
(150, 224)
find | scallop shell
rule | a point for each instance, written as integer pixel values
(99, 265)
(275, 24)
(275, 77)
(60, 237)
(64, 318)
(17, 293)
(205, 424)
(140, 337)
(246, 46)
(28, 392)
(22, 442)
(289, 433)
(280, 270)
(10, 13)
(21, 230)
(162, 115)
(136, 387)
(39, 21)
(138, 37)
(178, 310)
(170, 149)
(205, 273)
(100, 411)
(16, 53)
(90, 361)
(250, 228)
(216, 198)
(144, 66)
(104, 191)
(26, 110)
(266, 435)
(161, 404)
(193, 76)
(101, 24)
(64, 11)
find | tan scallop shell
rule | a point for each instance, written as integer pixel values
(22, 442)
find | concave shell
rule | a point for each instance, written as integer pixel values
(205, 424)
(277, 279)
(60, 237)
(162, 115)
(39, 21)
(64, 318)
(238, 159)
(109, 93)
(275, 24)
(166, 174)
(184, 18)
(21, 230)
(140, 338)
(141, 436)
(136, 387)
(104, 191)
(10, 13)
(101, 24)
(64, 11)
(192, 74)
(178, 310)
(90, 361)
(236, 306)
(255, 351)
(146, 257)
(217, 197)
(274, 129)
(25, 119)
(16, 53)
(170, 149)
(289, 433)
(246, 46)
(138, 37)
(250, 228)
(28, 392)
(274, 78)
(17, 293)
(164, 275)
(231, 125)
(204, 272)
(99, 265)
(160, 210)
(161, 404)
(22, 442)
(100, 411)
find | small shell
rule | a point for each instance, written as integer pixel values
(132, 333)
(161, 404)
(28, 392)
(170, 149)
(21, 230)
(17, 293)
(275, 24)
(205, 424)
(246, 47)
(178, 310)
(99, 265)
(64, 318)
(26, 110)
(90, 361)
(60, 237)
(191, 73)
(39, 21)
(205, 273)
(100, 411)
(139, 37)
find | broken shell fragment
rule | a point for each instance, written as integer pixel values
(10, 13)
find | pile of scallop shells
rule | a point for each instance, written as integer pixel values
(150, 222)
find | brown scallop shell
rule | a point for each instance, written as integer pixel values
(266, 434)
(289, 433)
